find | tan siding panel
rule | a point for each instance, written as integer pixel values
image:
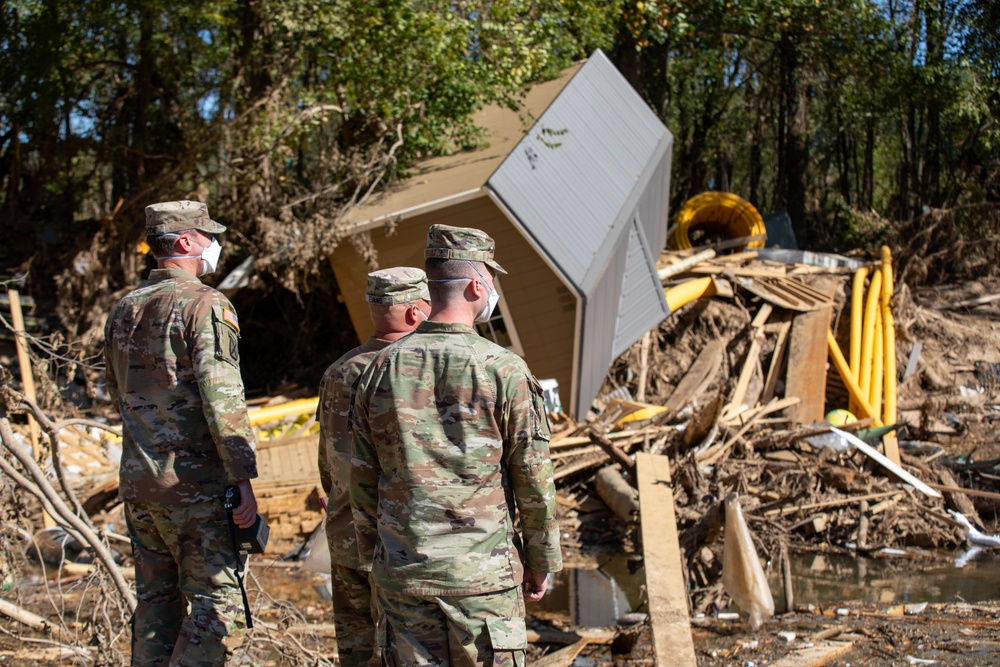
(542, 308)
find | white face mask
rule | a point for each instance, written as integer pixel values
(209, 256)
(491, 301)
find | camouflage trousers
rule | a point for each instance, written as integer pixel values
(459, 631)
(189, 612)
(353, 616)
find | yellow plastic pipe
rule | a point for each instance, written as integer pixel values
(687, 292)
(282, 410)
(722, 212)
(875, 387)
(857, 315)
(852, 385)
(889, 332)
(864, 375)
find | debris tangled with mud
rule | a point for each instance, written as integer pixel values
(719, 388)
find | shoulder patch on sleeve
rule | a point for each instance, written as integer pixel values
(229, 317)
(227, 335)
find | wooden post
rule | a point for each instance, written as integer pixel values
(27, 382)
(665, 584)
(24, 361)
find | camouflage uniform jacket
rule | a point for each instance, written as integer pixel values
(335, 445)
(171, 347)
(451, 442)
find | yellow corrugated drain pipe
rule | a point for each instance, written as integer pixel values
(870, 376)
(719, 212)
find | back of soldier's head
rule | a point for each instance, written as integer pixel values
(454, 254)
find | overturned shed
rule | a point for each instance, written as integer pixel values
(578, 205)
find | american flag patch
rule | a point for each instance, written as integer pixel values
(230, 317)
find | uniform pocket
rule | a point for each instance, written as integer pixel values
(507, 633)
(539, 418)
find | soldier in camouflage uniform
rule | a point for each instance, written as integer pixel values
(172, 353)
(398, 301)
(450, 450)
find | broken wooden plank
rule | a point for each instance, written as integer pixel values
(805, 289)
(665, 583)
(777, 359)
(760, 288)
(592, 635)
(814, 656)
(772, 406)
(891, 446)
(760, 319)
(806, 375)
(563, 657)
(749, 365)
(683, 265)
(699, 376)
(740, 271)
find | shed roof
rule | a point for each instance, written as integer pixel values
(442, 180)
(575, 179)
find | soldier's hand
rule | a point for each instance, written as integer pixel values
(535, 584)
(246, 512)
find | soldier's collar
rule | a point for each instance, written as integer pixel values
(166, 274)
(429, 326)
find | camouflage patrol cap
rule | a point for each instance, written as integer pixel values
(401, 284)
(446, 242)
(177, 216)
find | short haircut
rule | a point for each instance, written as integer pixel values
(162, 245)
(446, 269)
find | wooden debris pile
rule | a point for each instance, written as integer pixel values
(734, 388)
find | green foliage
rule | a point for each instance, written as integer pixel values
(283, 114)
(822, 107)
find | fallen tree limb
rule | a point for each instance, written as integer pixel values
(68, 516)
(25, 617)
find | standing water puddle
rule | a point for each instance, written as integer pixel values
(602, 596)
(824, 578)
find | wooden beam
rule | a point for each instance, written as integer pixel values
(665, 584)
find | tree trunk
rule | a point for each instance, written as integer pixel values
(794, 153)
